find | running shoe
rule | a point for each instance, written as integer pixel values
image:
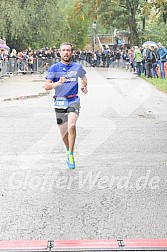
(70, 161)
(67, 152)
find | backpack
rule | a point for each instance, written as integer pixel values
(149, 56)
(154, 58)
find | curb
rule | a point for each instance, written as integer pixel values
(25, 97)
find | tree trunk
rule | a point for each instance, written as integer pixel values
(132, 6)
(164, 12)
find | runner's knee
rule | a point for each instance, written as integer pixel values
(71, 128)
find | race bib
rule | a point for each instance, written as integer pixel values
(61, 103)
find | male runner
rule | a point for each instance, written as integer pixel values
(63, 77)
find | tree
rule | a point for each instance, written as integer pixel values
(75, 26)
(161, 8)
(120, 14)
(41, 23)
(27, 23)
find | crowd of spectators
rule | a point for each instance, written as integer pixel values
(146, 60)
(150, 60)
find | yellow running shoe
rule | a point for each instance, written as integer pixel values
(70, 161)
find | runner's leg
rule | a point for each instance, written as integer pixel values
(64, 133)
(72, 119)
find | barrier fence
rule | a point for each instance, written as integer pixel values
(84, 245)
(37, 65)
(40, 65)
(18, 66)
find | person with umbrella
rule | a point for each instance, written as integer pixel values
(150, 43)
(5, 47)
(161, 53)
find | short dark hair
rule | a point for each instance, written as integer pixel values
(67, 43)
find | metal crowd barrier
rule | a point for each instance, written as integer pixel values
(41, 65)
(84, 245)
(38, 65)
(2, 68)
(19, 66)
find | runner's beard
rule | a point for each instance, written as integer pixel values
(67, 58)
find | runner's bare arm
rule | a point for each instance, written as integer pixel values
(84, 85)
(50, 85)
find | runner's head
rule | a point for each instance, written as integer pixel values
(66, 51)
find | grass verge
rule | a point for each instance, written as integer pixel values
(161, 84)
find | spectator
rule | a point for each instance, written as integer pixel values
(143, 51)
(138, 60)
(98, 58)
(112, 58)
(118, 57)
(154, 62)
(1, 54)
(148, 62)
(13, 54)
(161, 53)
(131, 60)
(30, 62)
(107, 56)
(126, 58)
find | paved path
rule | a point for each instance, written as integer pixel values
(118, 189)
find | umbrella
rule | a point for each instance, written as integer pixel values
(150, 43)
(4, 47)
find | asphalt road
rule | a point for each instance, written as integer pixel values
(118, 189)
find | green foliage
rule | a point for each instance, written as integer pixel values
(41, 23)
(156, 31)
(137, 16)
(74, 26)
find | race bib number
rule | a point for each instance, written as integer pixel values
(61, 103)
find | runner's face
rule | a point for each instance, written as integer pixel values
(66, 53)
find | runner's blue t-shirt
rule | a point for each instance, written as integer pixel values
(71, 72)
